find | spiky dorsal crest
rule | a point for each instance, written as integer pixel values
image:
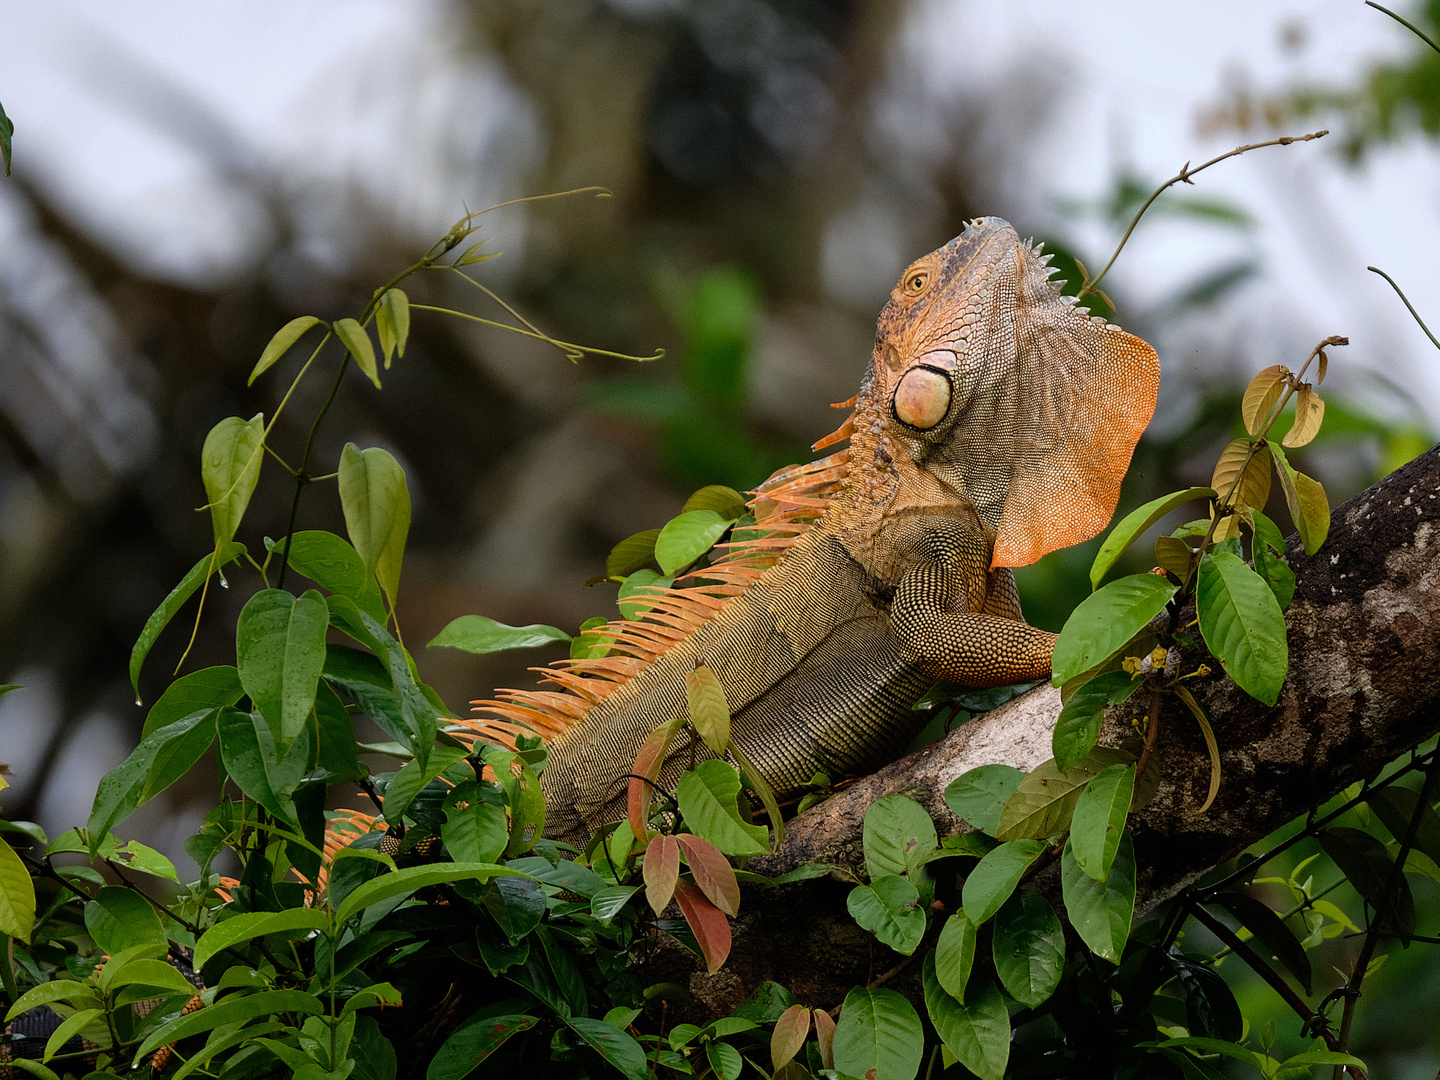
(785, 507)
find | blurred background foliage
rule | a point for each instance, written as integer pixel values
(774, 164)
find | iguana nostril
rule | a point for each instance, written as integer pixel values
(922, 399)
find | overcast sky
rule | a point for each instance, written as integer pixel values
(341, 86)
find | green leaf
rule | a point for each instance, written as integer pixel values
(879, 1036)
(1396, 807)
(1078, 725)
(1133, 524)
(724, 1060)
(630, 554)
(475, 828)
(76, 994)
(524, 798)
(149, 973)
(247, 750)
(118, 919)
(1105, 621)
(208, 688)
(638, 590)
(977, 1033)
(1044, 801)
(1268, 550)
(231, 1010)
(617, 1048)
(897, 834)
(17, 896)
(280, 649)
(1099, 819)
(472, 1042)
(685, 538)
(725, 501)
(1210, 1005)
(708, 798)
(253, 924)
(889, 907)
(406, 881)
(7, 134)
(955, 954)
(995, 877)
(377, 511)
(413, 778)
(611, 900)
(365, 679)
(372, 1052)
(280, 344)
(338, 753)
(357, 343)
(68, 1029)
(161, 616)
(1269, 929)
(120, 789)
(392, 320)
(587, 645)
(230, 468)
(518, 906)
(1309, 508)
(146, 860)
(1242, 624)
(1100, 911)
(978, 796)
(331, 563)
(477, 634)
(1029, 948)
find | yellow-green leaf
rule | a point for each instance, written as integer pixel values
(708, 710)
(1309, 508)
(280, 344)
(392, 320)
(1260, 397)
(1236, 463)
(377, 511)
(230, 468)
(1309, 414)
(357, 343)
(17, 896)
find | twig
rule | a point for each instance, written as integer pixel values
(1403, 297)
(1152, 732)
(1382, 905)
(301, 474)
(1408, 25)
(1249, 868)
(1183, 176)
(1313, 1021)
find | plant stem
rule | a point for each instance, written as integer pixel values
(1387, 277)
(1313, 1021)
(1382, 907)
(1245, 871)
(1183, 176)
(301, 475)
(1408, 25)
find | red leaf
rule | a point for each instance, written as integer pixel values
(825, 1036)
(789, 1035)
(707, 923)
(662, 871)
(712, 872)
(647, 764)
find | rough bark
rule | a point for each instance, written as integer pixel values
(1364, 636)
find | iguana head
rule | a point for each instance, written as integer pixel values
(987, 380)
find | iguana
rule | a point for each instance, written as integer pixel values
(993, 426)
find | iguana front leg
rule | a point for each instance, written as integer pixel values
(934, 618)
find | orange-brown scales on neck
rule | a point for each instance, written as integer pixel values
(993, 425)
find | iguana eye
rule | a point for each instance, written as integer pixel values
(922, 398)
(916, 281)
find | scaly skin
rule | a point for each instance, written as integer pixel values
(993, 426)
